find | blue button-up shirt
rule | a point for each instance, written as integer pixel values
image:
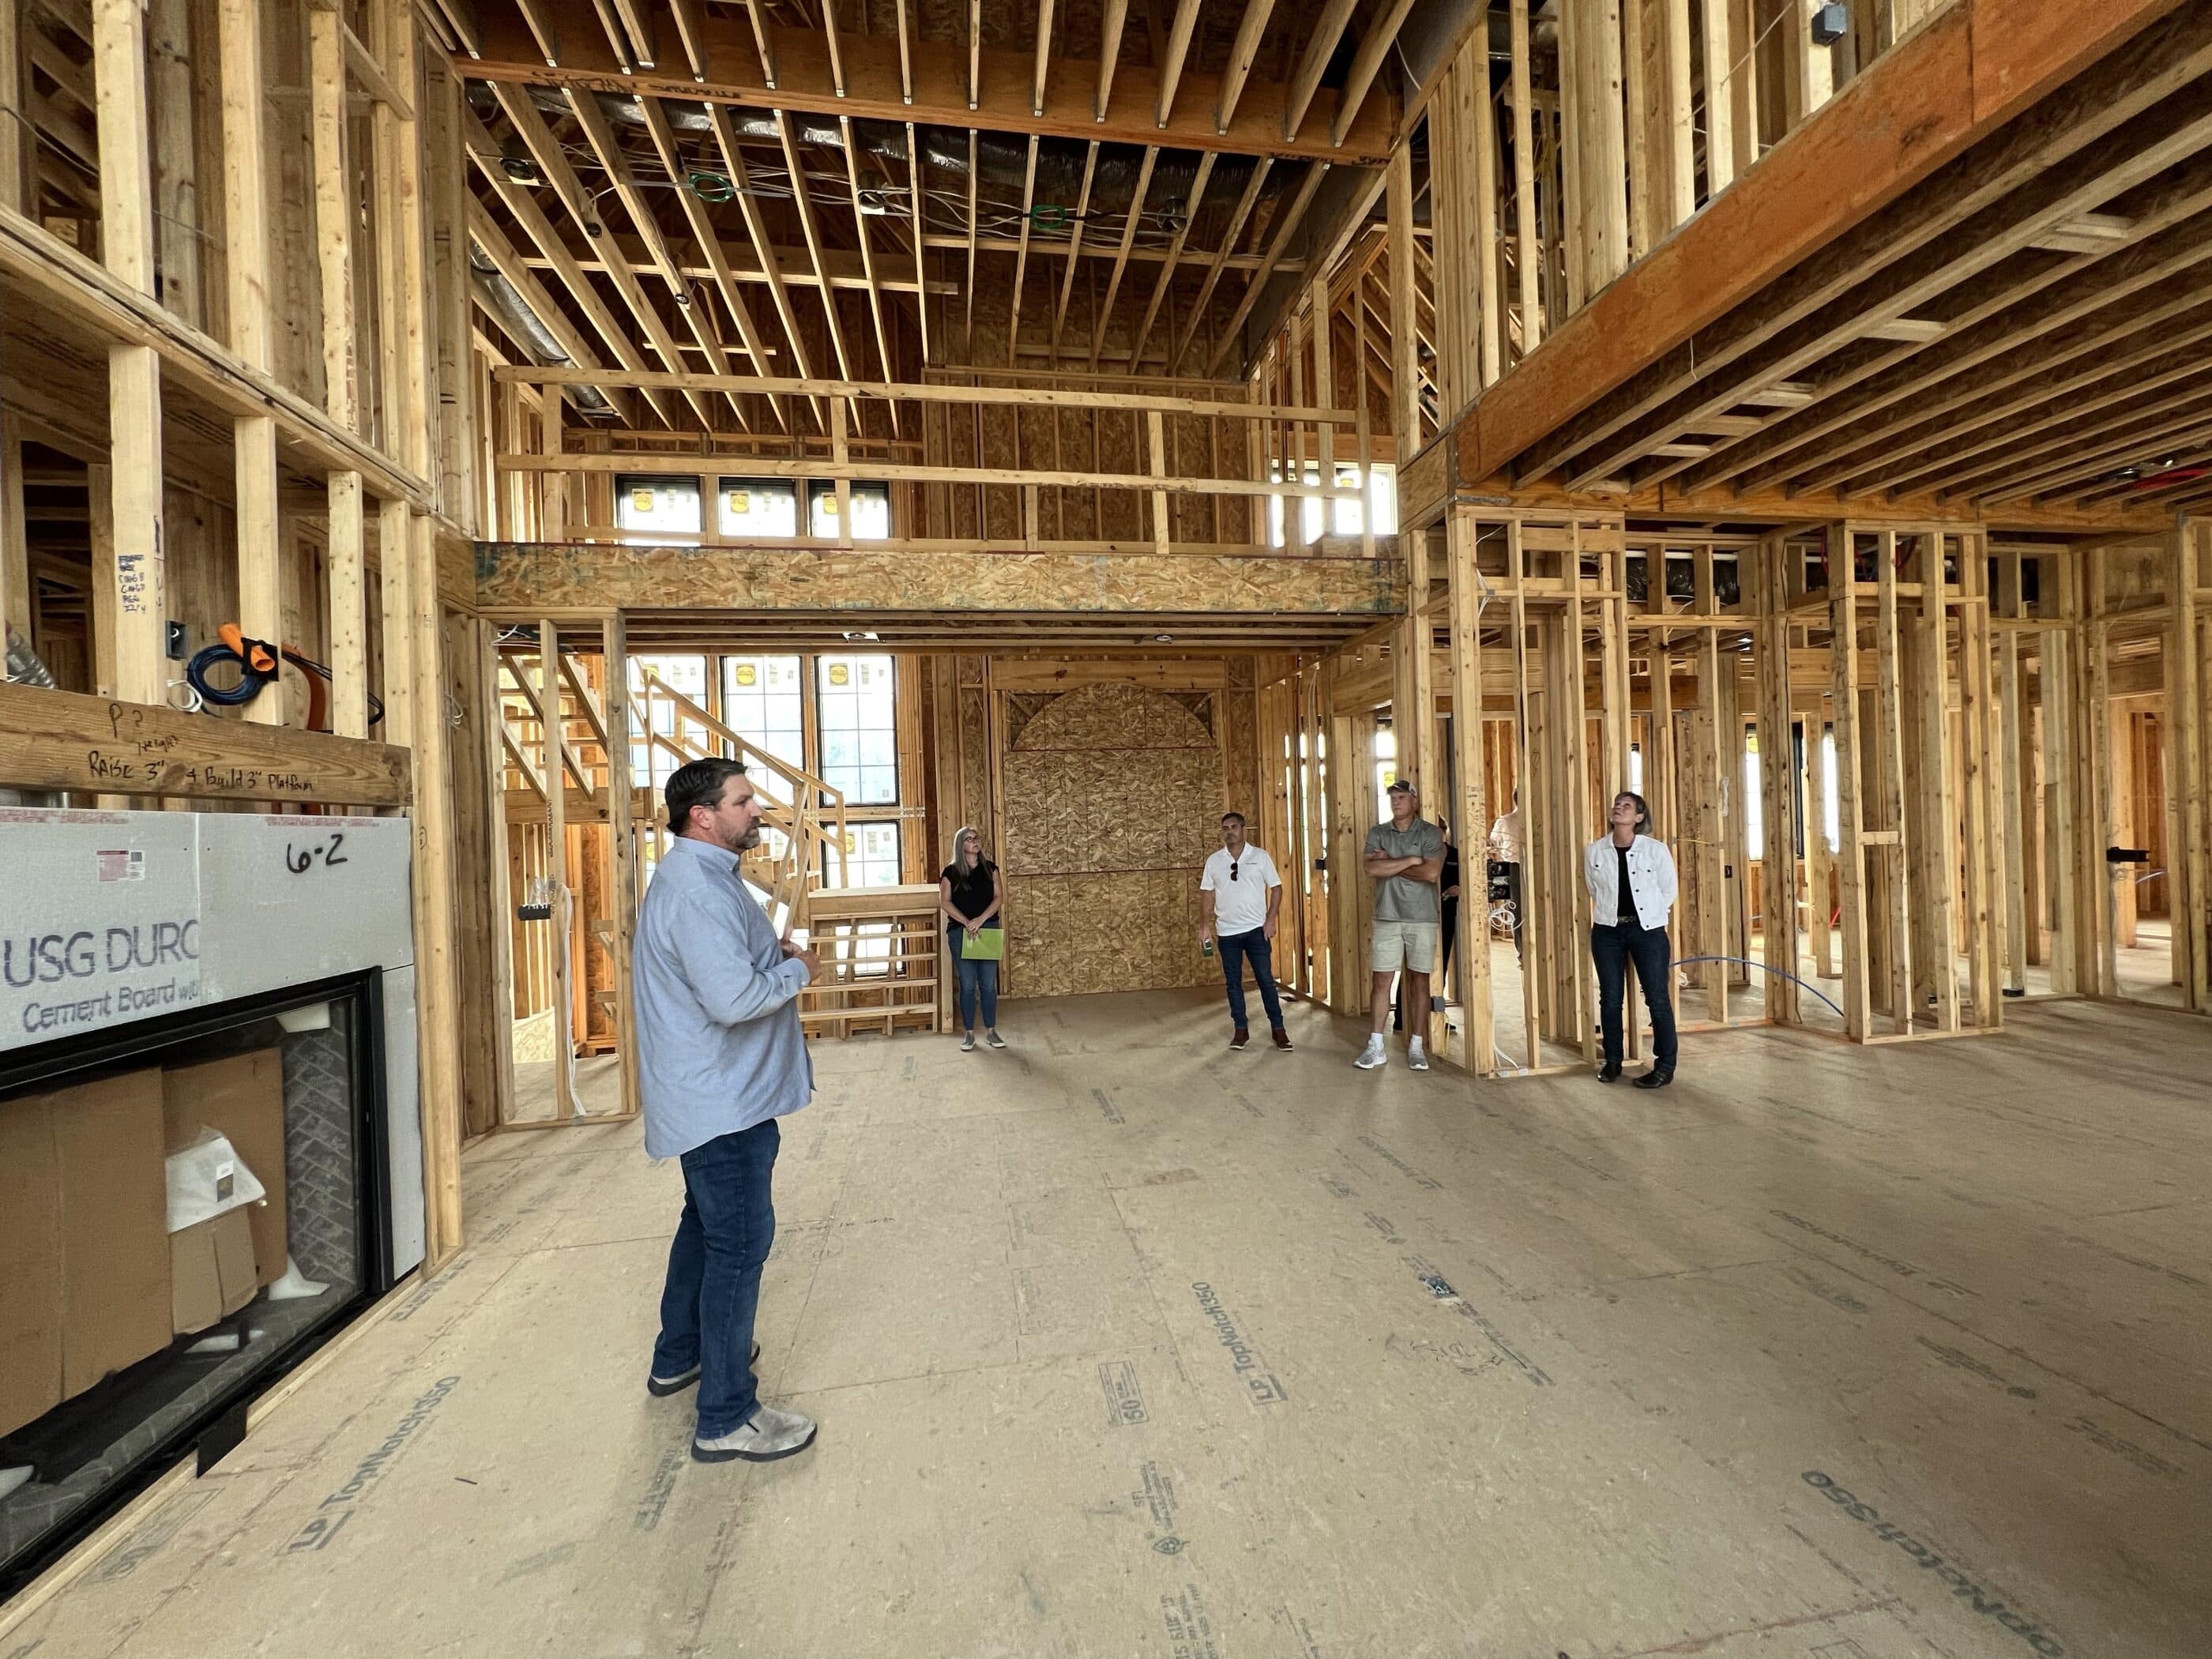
(718, 1045)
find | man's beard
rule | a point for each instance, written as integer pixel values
(749, 840)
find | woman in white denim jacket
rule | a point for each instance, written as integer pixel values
(1631, 888)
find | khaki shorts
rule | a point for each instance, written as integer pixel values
(1408, 945)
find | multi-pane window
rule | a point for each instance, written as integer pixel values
(758, 507)
(1346, 513)
(856, 713)
(871, 512)
(667, 505)
(764, 703)
(684, 674)
(872, 855)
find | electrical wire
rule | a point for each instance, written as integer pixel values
(1747, 963)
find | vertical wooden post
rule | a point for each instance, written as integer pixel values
(17, 601)
(245, 241)
(1528, 256)
(2012, 760)
(349, 581)
(1850, 838)
(1778, 773)
(1605, 159)
(17, 142)
(134, 373)
(1680, 199)
(1985, 836)
(1324, 354)
(1719, 100)
(1481, 179)
(1933, 822)
(621, 841)
(1405, 360)
(841, 452)
(1156, 450)
(1535, 826)
(2186, 765)
(1471, 811)
(437, 979)
(1890, 720)
(2058, 685)
(1716, 705)
(557, 867)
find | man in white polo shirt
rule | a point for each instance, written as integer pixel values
(1237, 898)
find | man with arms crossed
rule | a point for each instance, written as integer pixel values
(720, 1058)
(1406, 856)
(1238, 896)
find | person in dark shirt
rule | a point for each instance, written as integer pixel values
(970, 892)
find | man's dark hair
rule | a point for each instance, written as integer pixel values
(1239, 817)
(697, 783)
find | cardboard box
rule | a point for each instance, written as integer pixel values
(84, 1247)
(242, 1099)
(211, 1270)
(30, 1267)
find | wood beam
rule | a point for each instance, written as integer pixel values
(968, 87)
(516, 578)
(1321, 45)
(1958, 79)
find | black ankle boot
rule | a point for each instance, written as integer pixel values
(1609, 1073)
(1657, 1077)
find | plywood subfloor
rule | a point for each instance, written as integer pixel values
(1122, 1344)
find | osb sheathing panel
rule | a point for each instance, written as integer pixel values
(529, 575)
(1129, 931)
(1060, 812)
(1111, 802)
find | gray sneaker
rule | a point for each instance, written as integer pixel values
(968, 1043)
(771, 1434)
(994, 1040)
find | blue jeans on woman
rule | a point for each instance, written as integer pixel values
(979, 982)
(1612, 948)
(714, 1274)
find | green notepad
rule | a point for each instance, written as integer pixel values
(988, 946)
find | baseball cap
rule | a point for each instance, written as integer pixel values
(1401, 784)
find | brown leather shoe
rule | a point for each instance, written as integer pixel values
(1282, 1039)
(1242, 1037)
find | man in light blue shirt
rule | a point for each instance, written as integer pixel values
(720, 1058)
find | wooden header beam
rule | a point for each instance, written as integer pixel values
(525, 578)
(874, 81)
(93, 746)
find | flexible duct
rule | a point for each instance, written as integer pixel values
(523, 324)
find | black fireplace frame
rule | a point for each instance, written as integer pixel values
(211, 1433)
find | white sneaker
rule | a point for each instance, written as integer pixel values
(1417, 1055)
(1372, 1056)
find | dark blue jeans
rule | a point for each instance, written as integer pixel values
(714, 1272)
(1612, 949)
(1236, 949)
(979, 982)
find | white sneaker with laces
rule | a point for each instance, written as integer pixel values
(1417, 1055)
(1373, 1055)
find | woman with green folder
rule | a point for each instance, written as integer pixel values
(970, 892)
